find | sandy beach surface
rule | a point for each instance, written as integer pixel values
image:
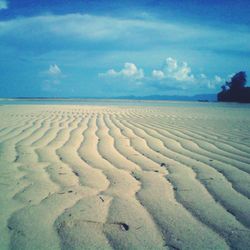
(109, 177)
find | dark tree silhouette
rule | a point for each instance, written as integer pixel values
(235, 90)
(238, 81)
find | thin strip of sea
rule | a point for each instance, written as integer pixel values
(118, 102)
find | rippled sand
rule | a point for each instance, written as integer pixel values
(88, 177)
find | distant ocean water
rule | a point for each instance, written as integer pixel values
(117, 102)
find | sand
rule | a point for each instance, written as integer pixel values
(96, 177)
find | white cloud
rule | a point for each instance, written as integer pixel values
(179, 75)
(158, 74)
(209, 82)
(170, 64)
(54, 70)
(173, 75)
(52, 78)
(3, 5)
(218, 79)
(203, 76)
(215, 82)
(174, 70)
(129, 71)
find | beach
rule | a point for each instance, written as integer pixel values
(125, 177)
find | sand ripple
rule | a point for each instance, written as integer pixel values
(81, 177)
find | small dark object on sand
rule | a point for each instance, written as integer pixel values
(124, 226)
(101, 199)
(76, 173)
(163, 165)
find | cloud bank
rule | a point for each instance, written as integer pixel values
(180, 73)
(173, 75)
(79, 30)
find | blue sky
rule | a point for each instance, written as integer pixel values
(64, 48)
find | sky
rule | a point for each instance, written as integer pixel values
(101, 48)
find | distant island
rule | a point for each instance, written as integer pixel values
(235, 90)
(200, 97)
